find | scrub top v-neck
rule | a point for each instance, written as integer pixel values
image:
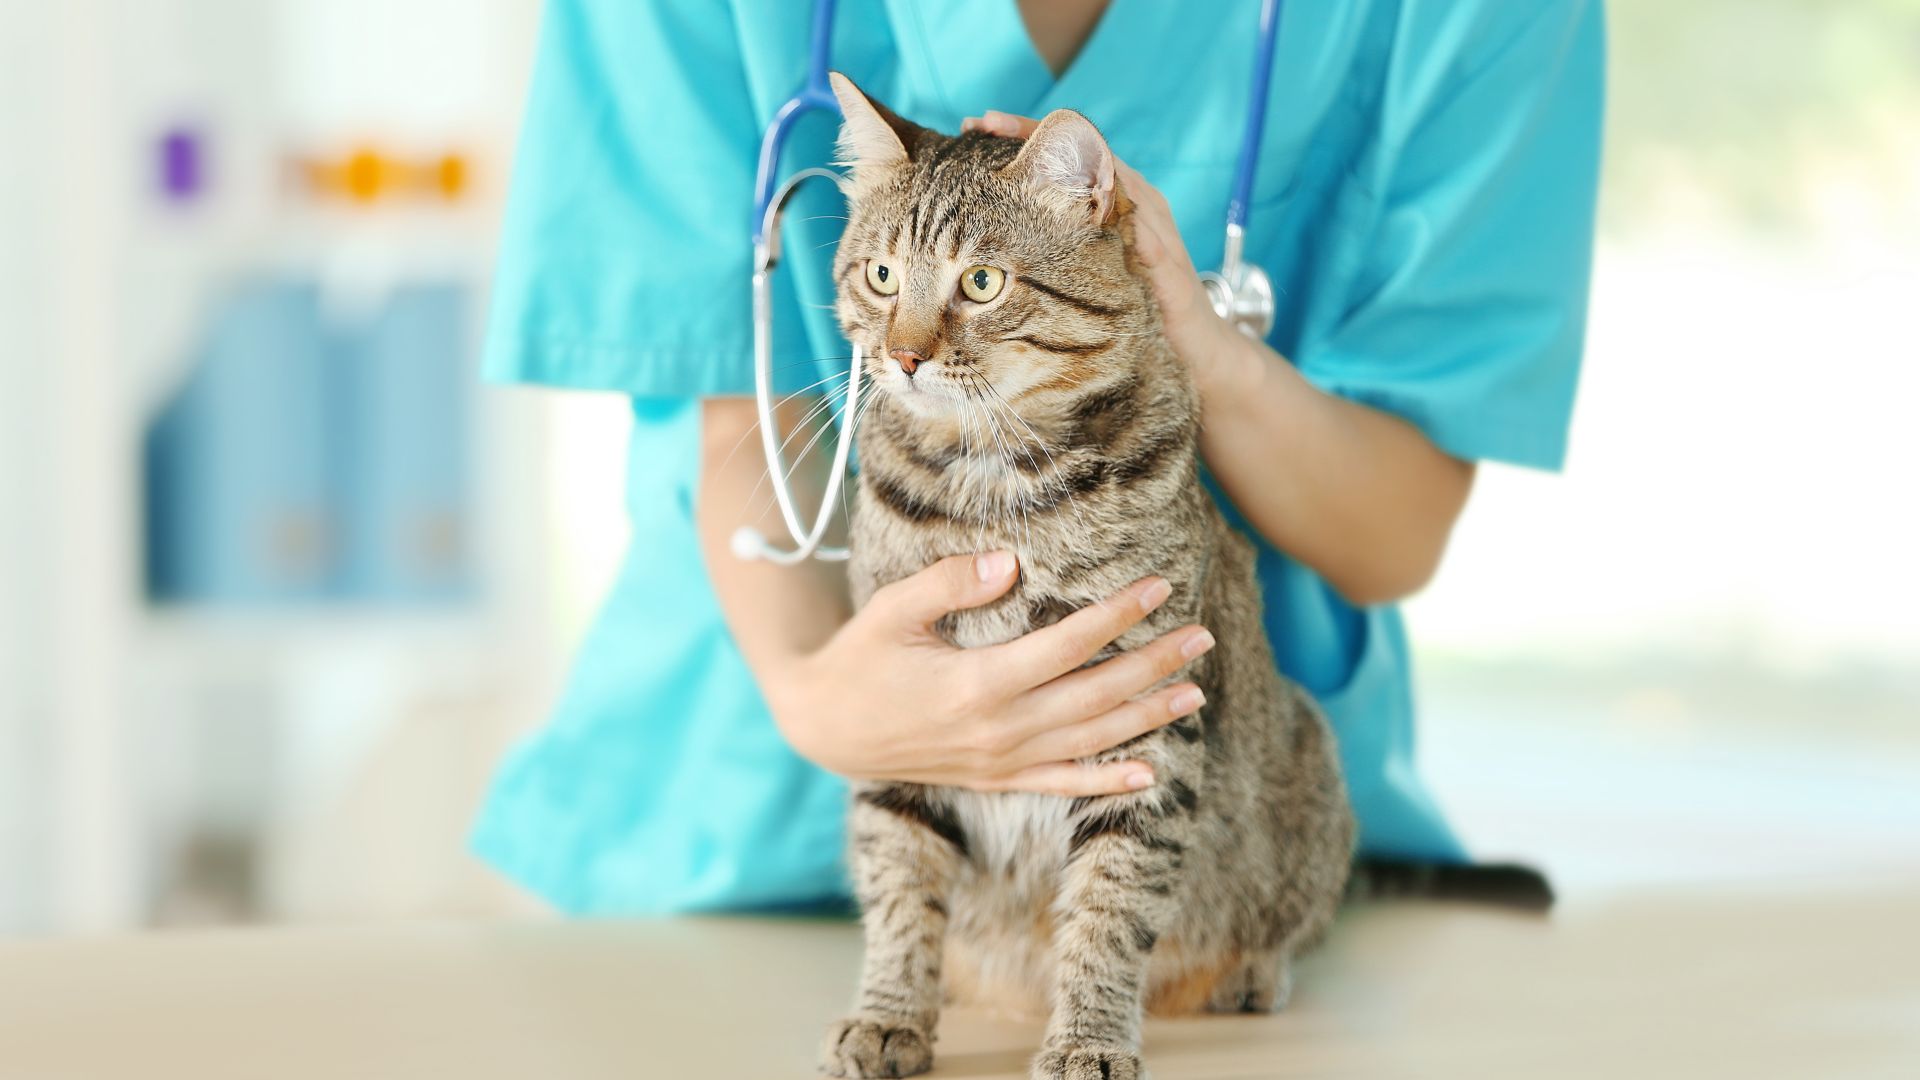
(1424, 205)
(961, 53)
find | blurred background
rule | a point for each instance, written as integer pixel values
(279, 581)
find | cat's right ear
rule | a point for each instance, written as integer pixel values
(872, 137)
(1069, 163)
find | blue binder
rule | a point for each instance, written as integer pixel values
(239, 481)
(301, 462)
(404, 447)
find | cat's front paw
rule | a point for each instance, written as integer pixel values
(1089, 1063)
(867, 1046)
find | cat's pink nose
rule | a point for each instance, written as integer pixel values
(909, 359)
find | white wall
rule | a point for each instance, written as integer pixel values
(1741, 486)
(65, 513)
(103, 705)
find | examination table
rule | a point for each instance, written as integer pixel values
(1823, 982)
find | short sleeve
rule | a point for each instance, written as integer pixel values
(625, 256)
(1465, 297)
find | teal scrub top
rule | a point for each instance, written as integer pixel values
(1424, 204)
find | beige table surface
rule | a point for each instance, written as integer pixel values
(1811, 985)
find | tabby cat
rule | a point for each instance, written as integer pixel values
(1025, 399)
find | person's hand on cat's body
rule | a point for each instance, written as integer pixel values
(886, 699)
(1364, 498)
(876, 695)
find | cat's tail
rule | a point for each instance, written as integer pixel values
(1508, 885)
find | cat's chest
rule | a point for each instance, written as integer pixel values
(1013, 835)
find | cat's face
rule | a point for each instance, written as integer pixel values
(979, 267)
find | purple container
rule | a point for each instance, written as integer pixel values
(182, 166)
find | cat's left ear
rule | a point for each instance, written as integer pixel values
(1067, 158)
(872, 136)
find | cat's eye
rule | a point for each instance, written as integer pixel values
(884, 279)
(982, 283)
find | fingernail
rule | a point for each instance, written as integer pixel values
(969, 124)
(1138, 780)
(1155, 594)
(993, 566)
(1187, 701)
(1197, 644)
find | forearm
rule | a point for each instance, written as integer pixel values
(777, 614)
(1358, 495)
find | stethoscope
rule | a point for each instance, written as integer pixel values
(1239, 291)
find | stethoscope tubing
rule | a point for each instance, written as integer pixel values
(1250, 140)
(747, 541)
(769, 199)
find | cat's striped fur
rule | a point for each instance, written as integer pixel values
(1056, 422)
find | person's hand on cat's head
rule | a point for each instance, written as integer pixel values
(1202, 338)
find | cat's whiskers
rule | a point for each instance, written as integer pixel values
(967, 439)
(826, 402)
(966, 473)
(1013, 497)
(866, 406)
(986, 495)
(1053, 464)
(757, 505)
(853, 430)
(755, 426)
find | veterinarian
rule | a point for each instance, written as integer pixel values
(1424, 205)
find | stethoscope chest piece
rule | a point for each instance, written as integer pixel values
(1245, 300)
(1240, 291)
